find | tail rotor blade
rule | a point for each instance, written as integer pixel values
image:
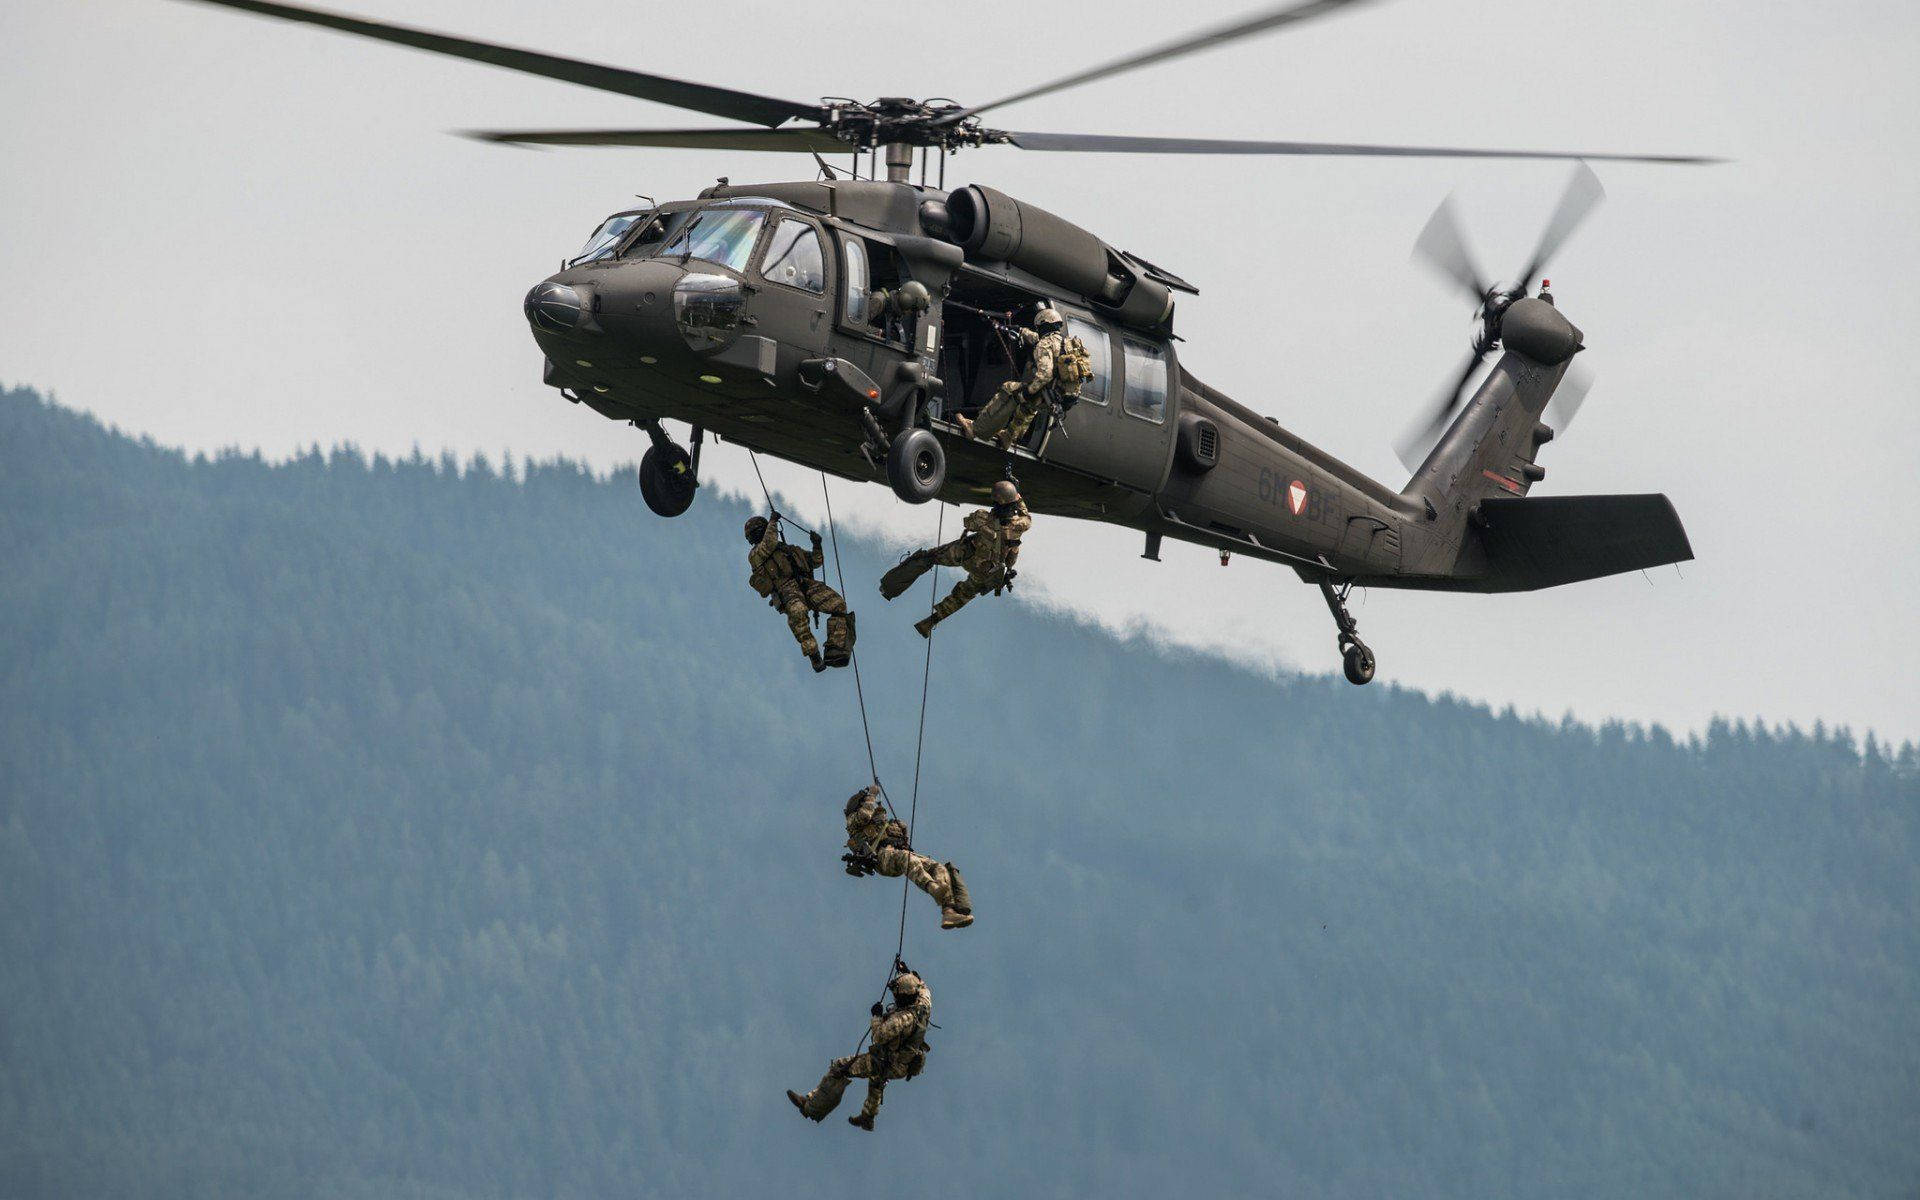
(1568, 397)
(1444, 248)
(1417, 440)
(1582, 194)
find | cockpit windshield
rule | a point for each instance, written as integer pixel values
(719, 235)
(605, 238)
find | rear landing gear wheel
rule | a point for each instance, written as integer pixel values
(1355, 659)
(1358, 664)
(916, 465)
(667, 480)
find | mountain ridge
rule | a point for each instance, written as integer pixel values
(378, 830)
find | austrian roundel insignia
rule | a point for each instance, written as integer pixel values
(1296, 496)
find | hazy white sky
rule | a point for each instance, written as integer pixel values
(223, 230)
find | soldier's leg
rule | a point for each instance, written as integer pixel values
(822, 598)
(957, 599)
(936, 879)
(870, 1107)
(1022, 421)
(822, 1100)
(799, 618)
(894, 861)
(999, 410)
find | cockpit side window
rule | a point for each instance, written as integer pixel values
(606, 238)
(796, 258)
(1146, 390)
(1094, 389)
(718, 235)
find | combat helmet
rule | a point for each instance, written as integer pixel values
(756, 528)
(1004, 492)
(1047, 317)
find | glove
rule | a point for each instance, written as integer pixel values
(816, 541)
(875, 1010)
(1011, 573)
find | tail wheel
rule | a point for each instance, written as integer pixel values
(1358, 664)
(667, 481)
(916, 466)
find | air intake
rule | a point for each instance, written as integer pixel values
(1199, 443)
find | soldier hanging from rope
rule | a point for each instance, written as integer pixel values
(877, 845)
(783, 573)
(1056, 367)
(898, 1050)
(986, 551)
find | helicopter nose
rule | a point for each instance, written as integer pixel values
(554, 307)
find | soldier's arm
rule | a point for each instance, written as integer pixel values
(1042, 373)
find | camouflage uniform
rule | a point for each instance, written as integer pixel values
(898, 1050)
(1009, 415)
(986, 552)
(784, 574)
(878, 844)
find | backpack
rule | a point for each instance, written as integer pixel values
(1072, 366)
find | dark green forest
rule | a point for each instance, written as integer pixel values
(412, 829)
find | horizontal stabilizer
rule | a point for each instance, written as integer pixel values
(1550, 540)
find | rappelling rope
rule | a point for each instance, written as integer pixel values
(920, 740)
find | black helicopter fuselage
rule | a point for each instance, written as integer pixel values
(750, 313)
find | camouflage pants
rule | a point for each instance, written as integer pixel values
(1010, 414)
(980, 577)
(928, 875)
(876, 1069)
(799, 599)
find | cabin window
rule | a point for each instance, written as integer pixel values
(719, 235)
(1094, 390)
(795, 257)
(856, 277)
(1146, 392)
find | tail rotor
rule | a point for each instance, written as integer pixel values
(1442, 246)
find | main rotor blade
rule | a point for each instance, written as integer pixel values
(1260, 22)
(1444, 247)
(1417, 440)
(798, 140)
(1582, 193)
(1125, 144)
(716, 101)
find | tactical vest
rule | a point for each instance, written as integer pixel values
(1072, 365)
(786, 561)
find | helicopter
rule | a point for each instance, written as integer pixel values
(847, 322)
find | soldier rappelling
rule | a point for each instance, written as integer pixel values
(877, 845)
(986, 552)
(897, 1050)
(1056, 367)
(783, 573)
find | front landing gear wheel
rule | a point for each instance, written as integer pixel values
(667, 480)
(1358, 664)
(916, 465)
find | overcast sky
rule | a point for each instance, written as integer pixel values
(221, 230)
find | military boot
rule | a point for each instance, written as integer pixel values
(924, 626)
(819, 664)
(965, 424)
(800, 1102)
(953, 918)
(863, 1121)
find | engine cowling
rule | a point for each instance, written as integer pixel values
(992, 226)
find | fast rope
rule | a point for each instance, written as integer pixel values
(920, 737)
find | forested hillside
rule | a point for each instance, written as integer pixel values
(377, 829)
